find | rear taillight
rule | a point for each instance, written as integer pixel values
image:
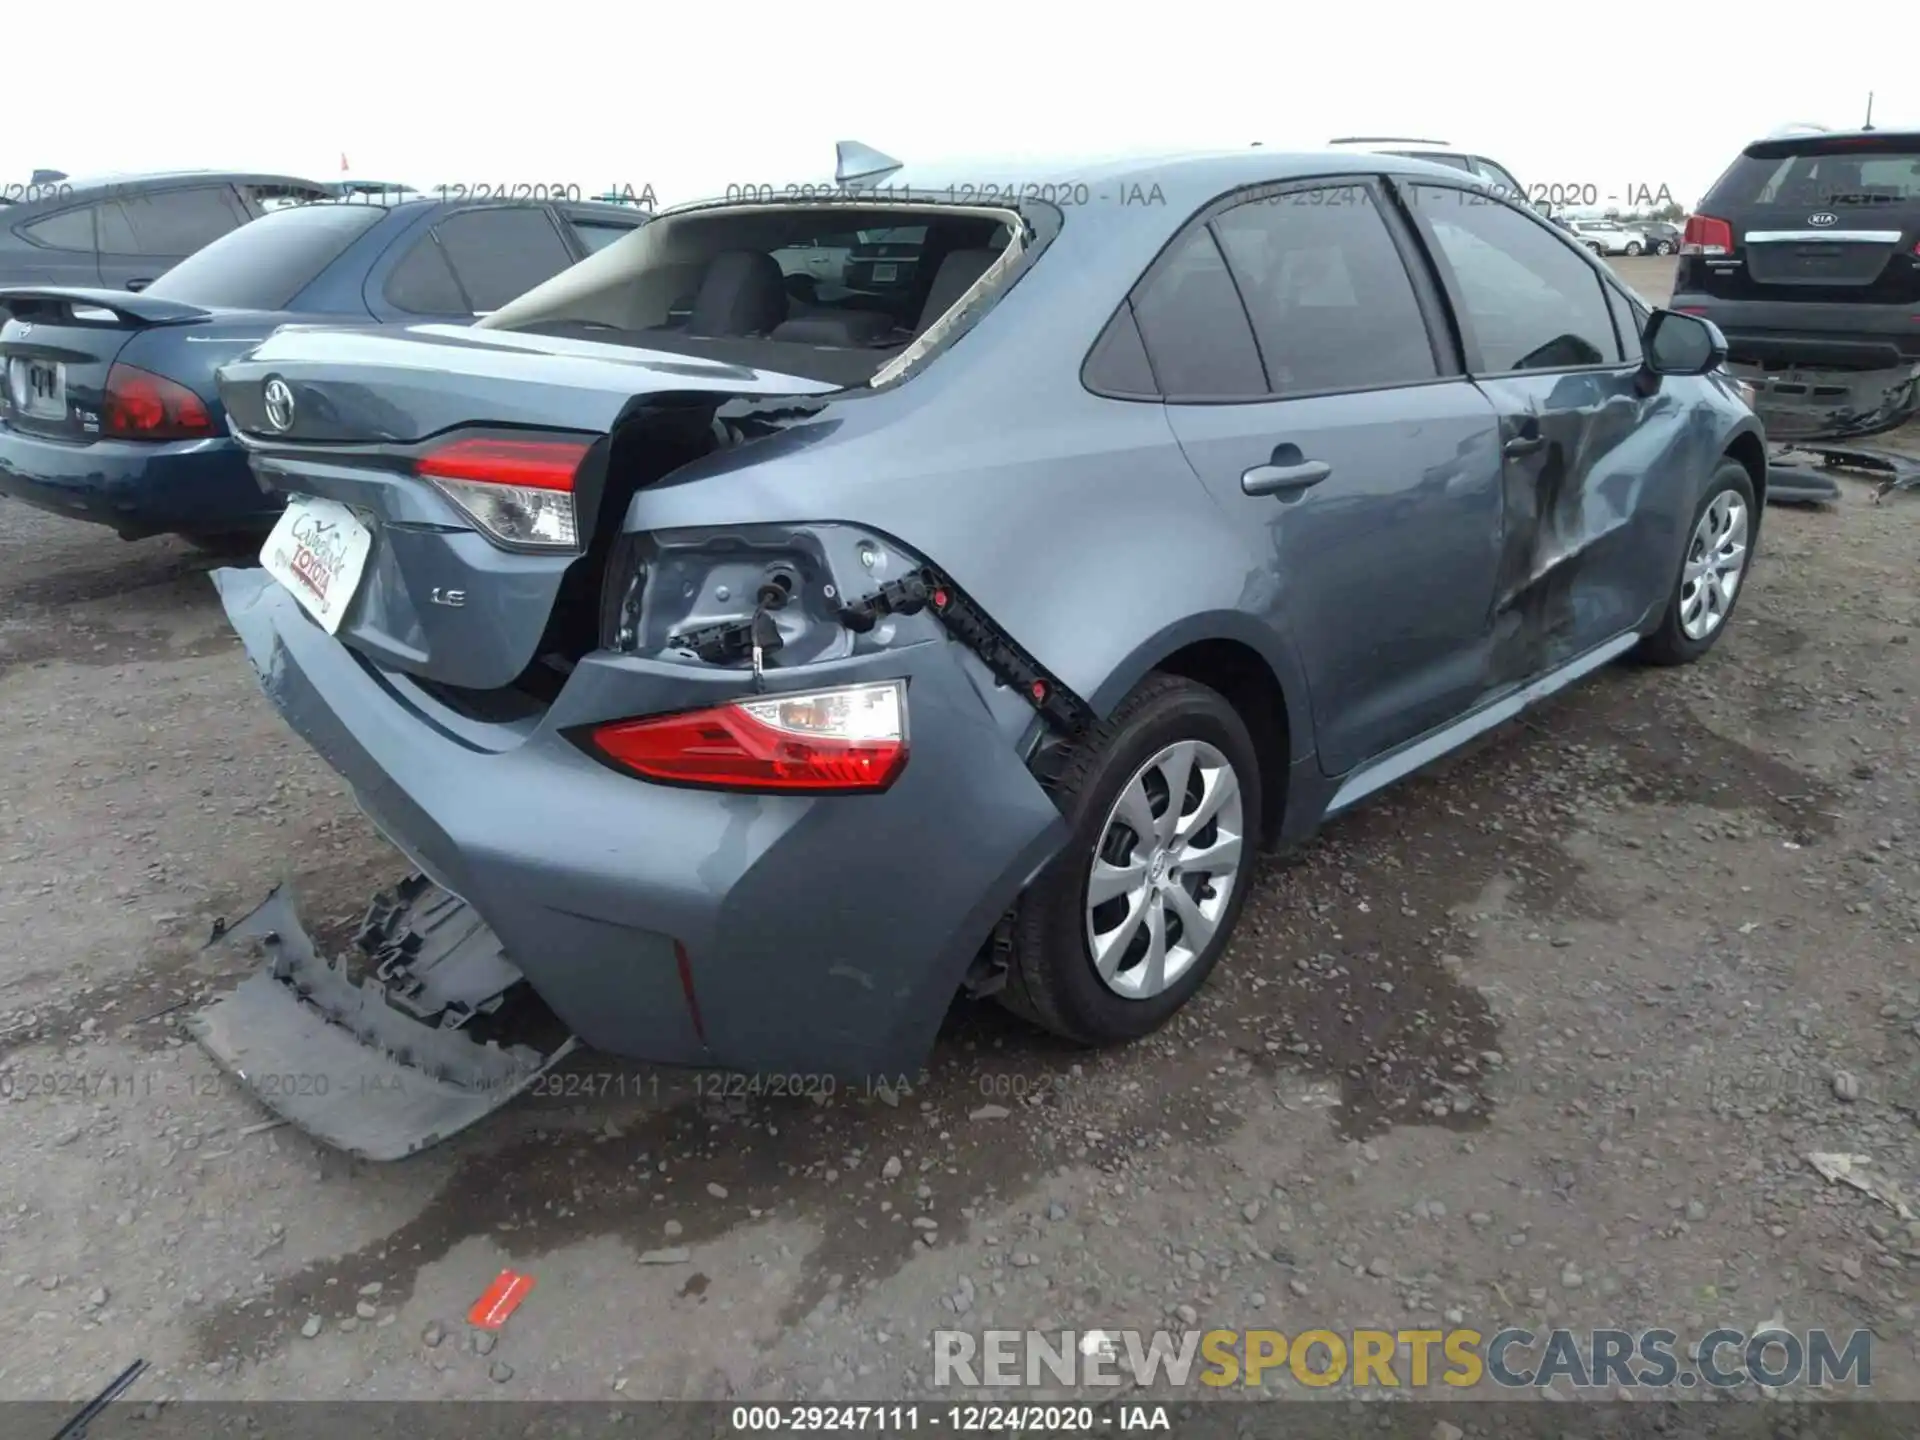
(140, 405)
(820, 742)
(519, 491)
(1705, 235)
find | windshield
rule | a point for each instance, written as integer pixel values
(264, 264)
(1846, 172)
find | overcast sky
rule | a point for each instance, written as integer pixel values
(694, 99)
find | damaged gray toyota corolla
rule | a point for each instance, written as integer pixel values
(797, 614)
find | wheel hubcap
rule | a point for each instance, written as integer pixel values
(1165, 866)
(1716, 563)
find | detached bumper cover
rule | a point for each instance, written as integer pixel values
(823, 935)
(334, 1057)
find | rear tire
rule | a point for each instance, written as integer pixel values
(1665, 247)
(1084, 966)
(1599, 250)
(1719, 550)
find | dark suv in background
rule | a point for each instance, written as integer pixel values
(1806, 253)
(125, 231)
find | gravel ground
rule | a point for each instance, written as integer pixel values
(1542, 1037)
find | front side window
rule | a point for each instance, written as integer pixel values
(1333, 307)
(1530, 300)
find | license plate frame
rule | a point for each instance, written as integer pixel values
(33, 397)
(318, 551)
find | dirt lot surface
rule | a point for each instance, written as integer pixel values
(1544, 1036)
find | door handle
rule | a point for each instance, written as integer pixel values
(138, 285)
(1284, 479)
(1523, 445)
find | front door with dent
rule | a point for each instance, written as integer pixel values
(1590, 462)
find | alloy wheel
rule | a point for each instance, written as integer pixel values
(1164, 868)
(1716, 563)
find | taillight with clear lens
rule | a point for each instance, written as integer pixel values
(837, 741)
(520, 492)
(139, 405)
(1705, 235)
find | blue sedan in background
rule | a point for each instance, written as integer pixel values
(109, 411)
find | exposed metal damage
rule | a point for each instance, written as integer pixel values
(802, 594)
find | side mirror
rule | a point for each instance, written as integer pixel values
(1679, 344)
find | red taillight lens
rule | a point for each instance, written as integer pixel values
(539, 464)
(518, 491)
(1705, 235)
(820, 742)
(140, 405)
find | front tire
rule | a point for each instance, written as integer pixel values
(1123, 927)
(1713, 571)
(1665, 247)
(1599, 250)
(1633, 247)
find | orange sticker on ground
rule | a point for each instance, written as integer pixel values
(502, 1298)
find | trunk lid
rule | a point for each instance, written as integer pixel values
(360, 410)
(1818, 219)
(57, 346)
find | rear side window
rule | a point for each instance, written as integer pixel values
(1195, 329)
(262, 266)
(179, 222)
(423, 284)
(1531, 301)
(1855, 174)
(596, 235)
(1332, 305)
(501, 253)
(68, 230)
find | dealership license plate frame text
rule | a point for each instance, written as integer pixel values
(318, 550)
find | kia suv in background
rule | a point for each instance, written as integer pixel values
(1806, 253)
(125, 231)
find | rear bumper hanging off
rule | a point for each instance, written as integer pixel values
(377, 1067)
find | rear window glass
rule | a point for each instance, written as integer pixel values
(262, 266)
(1825, 175)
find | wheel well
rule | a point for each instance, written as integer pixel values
(1240, 673)
(1749, 451)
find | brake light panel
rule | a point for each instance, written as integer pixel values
(1706, 235)
(845, 740)
(139, 405)
(519, 492)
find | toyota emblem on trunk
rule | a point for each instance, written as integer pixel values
(278, 399)
(1824, 218)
